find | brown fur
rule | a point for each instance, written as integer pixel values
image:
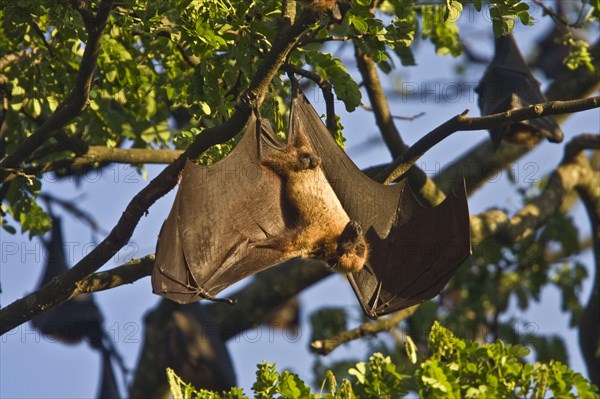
(324, 230)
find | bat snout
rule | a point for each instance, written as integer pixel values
(308, 160)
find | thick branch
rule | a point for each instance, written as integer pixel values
(589, 326)
(507, 230)
(77, 100)
(128, 273)
(381, 108)
(328, 345)
(463, 123)
(61, 289)
(268, 290)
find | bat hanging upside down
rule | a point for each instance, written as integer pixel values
(267, 202)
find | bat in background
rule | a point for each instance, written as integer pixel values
(78, 319)
(108, 383)
(75, 320)
(268, 202)
(508, 84)
(193, 348)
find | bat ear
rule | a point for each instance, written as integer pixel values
(268, 136)
(297, 136)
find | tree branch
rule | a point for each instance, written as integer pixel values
(127, 273)
(269, 290)
(328, 345)
(77, 100)
(325, 88)
(572, 173)
(381, 108)
(61, 289)
(463, 123)
(589, 326)
(126, 155)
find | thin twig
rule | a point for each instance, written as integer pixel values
(325, 88)
(367, 107)
(328, 345)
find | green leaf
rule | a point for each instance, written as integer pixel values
(411, 349)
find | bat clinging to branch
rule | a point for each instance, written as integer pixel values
(508, 84)
(268, 202)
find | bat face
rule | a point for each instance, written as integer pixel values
(265, 204)
(508, 84)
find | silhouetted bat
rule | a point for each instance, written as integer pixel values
(108, 388)
(267, 202)
(76, 319)
(193, 348)
(508, 84)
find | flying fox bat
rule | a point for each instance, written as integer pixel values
(76, 319)
(193, 348)
(508, 84)
(108, 388)
(267, 202)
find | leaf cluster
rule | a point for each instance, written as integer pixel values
(452, 368)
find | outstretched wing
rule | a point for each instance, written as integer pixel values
(413, 250)
(221, 212)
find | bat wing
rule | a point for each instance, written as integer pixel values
(222, 213)
(508, 84)
(413, 250)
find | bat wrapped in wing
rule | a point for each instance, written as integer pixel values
(268, 202)
(509, 84)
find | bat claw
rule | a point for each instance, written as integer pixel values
(230, 301)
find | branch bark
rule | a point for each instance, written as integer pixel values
(589, 326)
(381, 108)
(126, 155)
(328, 345)
(571, 174)
(61, 289)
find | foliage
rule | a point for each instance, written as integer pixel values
(453, 368)
(170, 68)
